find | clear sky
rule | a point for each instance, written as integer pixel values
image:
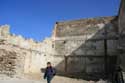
(36, 18)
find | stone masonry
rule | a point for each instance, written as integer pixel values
(67, 40)
(75, 47)
(28, 56)
(80, 44)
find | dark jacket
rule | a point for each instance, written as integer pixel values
(49, 72)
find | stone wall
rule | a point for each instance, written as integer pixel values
(121, 45)
(80, 27)
(30, 56)
(76, 47)
(73, 43)
(80, 43)
(7, 62)
(11, 59)
(122, 17)
(65, 45)
(4, 31)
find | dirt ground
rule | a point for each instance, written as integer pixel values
(38, 78)
(56, 79)
(60, 79)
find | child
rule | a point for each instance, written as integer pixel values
(49, 72)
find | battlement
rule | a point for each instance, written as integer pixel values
(4, 31)
(17, 39)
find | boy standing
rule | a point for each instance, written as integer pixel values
(49, 72)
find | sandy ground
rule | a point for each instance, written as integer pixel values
(57, 79)
(61, 79)
(38, 78)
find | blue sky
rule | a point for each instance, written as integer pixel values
(36, 18)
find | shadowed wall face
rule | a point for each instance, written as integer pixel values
(121, 45)
(122, 18)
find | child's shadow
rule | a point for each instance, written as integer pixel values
(42, 70)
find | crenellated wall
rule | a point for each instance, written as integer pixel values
(30, 56)
(76, 47)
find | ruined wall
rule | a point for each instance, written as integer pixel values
(79, 27)
(4, 31)
(7, 62)
(75, 47)
(92, 31)
(30, 56)
(27, 54)
(11, 60)
(121, 23)
(122, 17)
(80, 43)
(74, 43)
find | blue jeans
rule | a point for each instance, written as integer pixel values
(49, 79)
